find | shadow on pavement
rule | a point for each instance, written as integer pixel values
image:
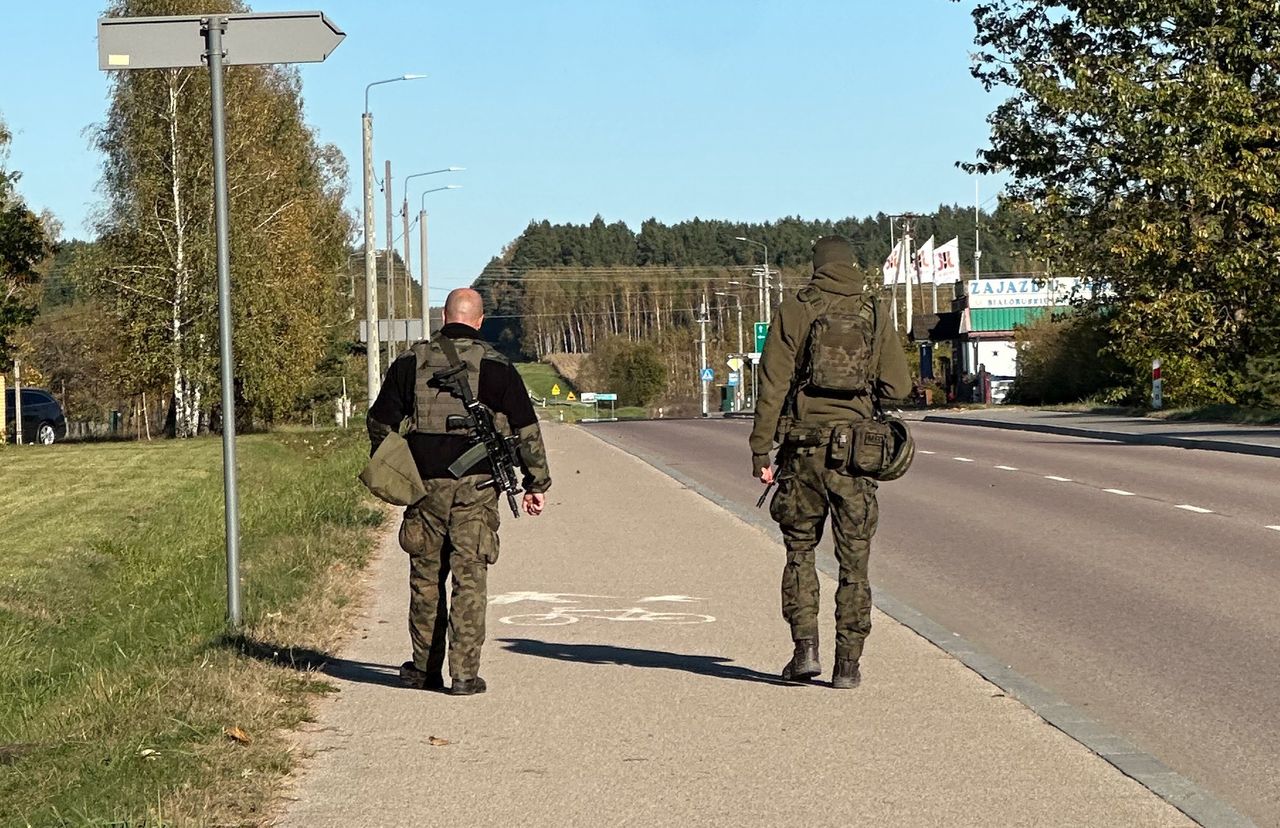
(308, 660)
(711, 666)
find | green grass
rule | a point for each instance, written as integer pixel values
(540, 377)
(116, 678)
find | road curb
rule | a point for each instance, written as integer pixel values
(1225, 446)
(1148, 771)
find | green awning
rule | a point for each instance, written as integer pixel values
(984, 320)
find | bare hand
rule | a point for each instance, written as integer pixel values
(766, 475)
(533, 504)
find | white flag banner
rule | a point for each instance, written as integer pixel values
(946, 263)
(924, 263)
(892, 265)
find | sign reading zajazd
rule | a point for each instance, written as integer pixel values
(1025, 292)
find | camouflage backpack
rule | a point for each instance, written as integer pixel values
(839, 356)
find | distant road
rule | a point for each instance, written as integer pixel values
(1139, 583)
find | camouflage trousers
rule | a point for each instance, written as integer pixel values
(453, 530)
(808, 491)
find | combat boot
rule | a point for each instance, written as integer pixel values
(847, 675)
(420, 679)
(467, 687)
(804, 664)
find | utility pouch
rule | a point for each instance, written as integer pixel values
(872, 447)
(840, 449)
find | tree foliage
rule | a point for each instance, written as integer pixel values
(1142, 138)
(154, 268)
(24, 244)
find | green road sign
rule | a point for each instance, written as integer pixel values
(762, 330)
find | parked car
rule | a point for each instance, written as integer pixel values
(42, 418)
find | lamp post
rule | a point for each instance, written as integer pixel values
(408, 270)
(765, 297)
(737, 389)
(422, 255)
(373, 373)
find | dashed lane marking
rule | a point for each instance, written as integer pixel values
(1120, 492)
(1007, 468)
(1277, 528)
(922, 451)
(962, 459)
(1199, 510)
(1059, 479)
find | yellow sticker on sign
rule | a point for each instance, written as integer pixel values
(117, 60)
(571, 398)
(555, 390)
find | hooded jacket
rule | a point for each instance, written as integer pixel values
(784, 353)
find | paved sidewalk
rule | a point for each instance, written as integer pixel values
(1258, 440)
(625, 717)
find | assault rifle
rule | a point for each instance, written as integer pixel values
(490, 443)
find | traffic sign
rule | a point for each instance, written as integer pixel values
(216, 41)
(587, 396)
(708, 374)
(755, 358)
(734, 363)
(734, 378)
(607, 397)
(555, 390)
(762, 331)
(175, 42)
(570, 397)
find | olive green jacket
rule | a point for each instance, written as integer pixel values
(784, 352)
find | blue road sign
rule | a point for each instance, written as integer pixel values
(734, 378)
(708, 374)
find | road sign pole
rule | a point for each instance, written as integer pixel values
(214, 27)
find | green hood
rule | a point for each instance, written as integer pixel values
(840, 279)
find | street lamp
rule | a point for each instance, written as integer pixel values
(408, 279)
(373, 373)
(764, 293)
(422, 255)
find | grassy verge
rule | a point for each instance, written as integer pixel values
(117, 684)
(540, 378)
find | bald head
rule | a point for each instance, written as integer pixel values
(464, 305)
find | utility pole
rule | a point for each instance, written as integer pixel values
(977, 232)
(373, 372)
(906, 259)
(17, 401)
(768, 290)
(893, 290)
(422, 272)
(391, 271)
(702, 346)
(408, 272)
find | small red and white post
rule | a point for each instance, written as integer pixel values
(1157, 386)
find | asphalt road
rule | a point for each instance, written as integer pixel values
(1139, 583)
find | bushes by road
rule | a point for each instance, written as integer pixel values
(123, 700)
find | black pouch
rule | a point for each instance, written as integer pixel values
(872, 446)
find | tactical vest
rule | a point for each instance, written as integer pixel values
(839, 353)
(432, 405)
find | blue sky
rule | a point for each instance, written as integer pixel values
(562, 109)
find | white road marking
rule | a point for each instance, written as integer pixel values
(1277, 528)
(1120, 492)
(560, 616)
(962, 459)
(1187, 507)
(669, 599)
(541, 597)
(1007, 468)
(922, 451)
(1059, 479)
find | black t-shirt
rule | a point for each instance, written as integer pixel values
(501, 389)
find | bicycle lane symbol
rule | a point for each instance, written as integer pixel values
(565, 609)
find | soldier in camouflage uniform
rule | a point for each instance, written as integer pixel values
(839, 320)
(454, 529)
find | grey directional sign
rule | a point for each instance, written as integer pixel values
(216, 40)
(175, 42)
